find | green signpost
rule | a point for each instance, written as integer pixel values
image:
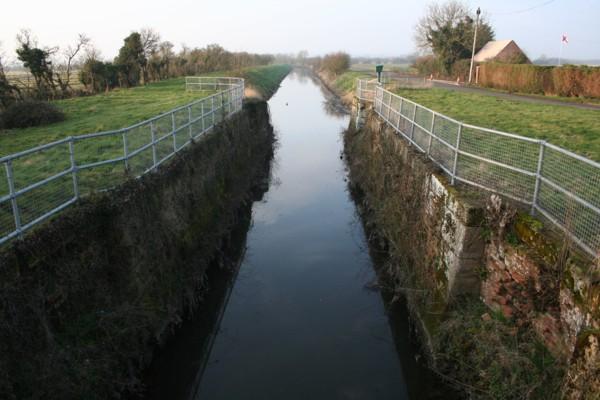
(379, 70)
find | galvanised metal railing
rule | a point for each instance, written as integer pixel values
(560, 185)
(42, 181)
(215, 83)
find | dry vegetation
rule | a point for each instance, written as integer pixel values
(568, 81)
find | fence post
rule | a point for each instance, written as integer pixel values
(212, 111)
(173, 127)
(73, 167)
(125, 151)
(153, 137)
(222, 107)
(456, 149)
(190, 122)
(538, 175)
(202, 114)
(389, 110)
(412, 121)
(431, 133)
(13, 197)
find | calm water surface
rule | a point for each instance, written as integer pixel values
(299, 321)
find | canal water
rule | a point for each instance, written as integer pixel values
(302, 318)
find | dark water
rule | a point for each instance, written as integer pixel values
(300, 320)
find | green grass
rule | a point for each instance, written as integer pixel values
(575, 129)
(346, 82)
(387, 67)
(266, 79)
(113, 110)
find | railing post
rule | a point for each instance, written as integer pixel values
(456, 150)
(212, 111)
(412, 121)
(538, 175)
(153, 137)
(431, 133)
(125, 151)
(202, 113)
(190, 122)
(13, 197)
(389, 106)
(173, 127)
(222, 106)
(73, 167)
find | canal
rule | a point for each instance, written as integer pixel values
(302, 317)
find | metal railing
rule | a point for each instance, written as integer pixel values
(42, 181)
(560, 185)
(211, 82)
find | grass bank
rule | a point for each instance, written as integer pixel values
(575, 129)
(265, 80)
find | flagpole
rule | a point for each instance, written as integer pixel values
(562, 43)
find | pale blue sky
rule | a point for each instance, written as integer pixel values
(376, 28)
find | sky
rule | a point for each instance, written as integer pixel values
(362, 28)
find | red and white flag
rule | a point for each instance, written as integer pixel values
(565, 39)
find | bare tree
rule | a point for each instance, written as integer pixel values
(150, 42)
(63, 76)
(438, 15)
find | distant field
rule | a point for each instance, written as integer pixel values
(23, 79)
(575, 129)
(386, 67)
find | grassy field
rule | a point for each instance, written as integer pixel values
(113, 110)
(346, 82)
(24, 80)
(574, 129)
(387, 67)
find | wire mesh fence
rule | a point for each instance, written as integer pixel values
(555, 183)
(42, 181)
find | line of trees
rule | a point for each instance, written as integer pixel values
(332, 63)
(144, 57)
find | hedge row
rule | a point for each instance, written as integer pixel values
(568, 80)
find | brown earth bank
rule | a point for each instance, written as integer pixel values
(85, 298)
(328, 80)
(504, 308)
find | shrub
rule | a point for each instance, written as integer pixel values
(569, 80)
(336, 63)
(431, 65)
(30, 113)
